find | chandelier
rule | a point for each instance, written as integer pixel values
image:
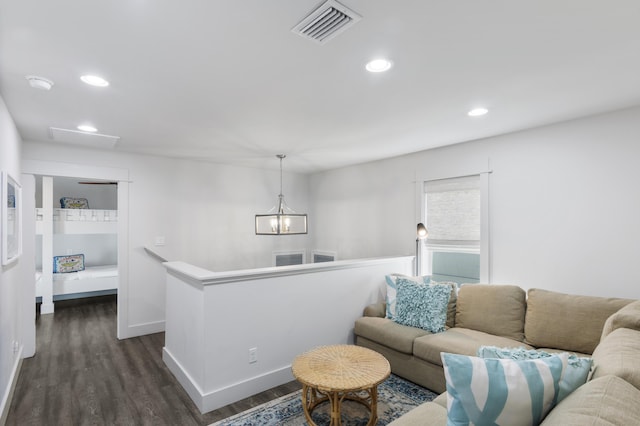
(281, 220)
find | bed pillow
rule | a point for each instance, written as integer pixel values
(71, 263)
(575, 374)
(422, 305)
(390, 298)
(74, 203)
(501, 391)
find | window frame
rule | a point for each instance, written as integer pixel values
(484, 171)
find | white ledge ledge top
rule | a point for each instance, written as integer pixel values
(197, 275)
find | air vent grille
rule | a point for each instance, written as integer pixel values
(326, 22)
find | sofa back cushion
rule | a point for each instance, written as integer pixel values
(619, 354)
(493, 309)
(627, 317)
(568, 322)
(608, 400)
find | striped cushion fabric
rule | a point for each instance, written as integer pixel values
(575, 374)
(501, 391)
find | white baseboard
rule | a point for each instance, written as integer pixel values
(7, 395)
(187, 382)
(143, 329)
(212, 400)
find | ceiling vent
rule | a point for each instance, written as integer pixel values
(326, 22)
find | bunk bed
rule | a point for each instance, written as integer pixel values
(83, 281)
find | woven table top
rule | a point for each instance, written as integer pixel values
(341, 368)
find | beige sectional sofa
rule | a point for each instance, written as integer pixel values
(606, 329)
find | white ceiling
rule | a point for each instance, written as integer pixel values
(227, 80)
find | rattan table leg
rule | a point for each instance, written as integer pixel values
(374, 406)
(309, 397)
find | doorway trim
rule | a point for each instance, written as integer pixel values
(57, 169)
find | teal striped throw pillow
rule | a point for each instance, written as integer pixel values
(575, 374)
(501, 391)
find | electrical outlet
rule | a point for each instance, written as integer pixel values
(69, 251)
(16, 346)
(160, 241)
(253, 355)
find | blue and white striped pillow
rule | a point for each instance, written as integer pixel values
(575, 374)
(501, 391)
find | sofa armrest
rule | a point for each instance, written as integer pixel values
(376, 310)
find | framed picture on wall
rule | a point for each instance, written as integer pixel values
(11, 219)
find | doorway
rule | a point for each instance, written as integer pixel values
(119, 180)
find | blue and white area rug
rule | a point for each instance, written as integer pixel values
(396, 396)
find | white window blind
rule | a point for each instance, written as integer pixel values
(453, 210)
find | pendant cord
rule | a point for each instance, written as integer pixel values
(281, 157)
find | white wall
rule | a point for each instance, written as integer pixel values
(212, 323)
(205, 211)
(562, 202)
(12, 306)
(564, 207)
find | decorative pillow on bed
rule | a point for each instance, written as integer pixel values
(74, 203)
(575, 374)
(422, 305)
(492, 391)
(71, 263)
(390, 298)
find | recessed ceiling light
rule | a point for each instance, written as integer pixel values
(87, 128)
(94, 80)
(477, 112)
(39, 82)
(378, 65)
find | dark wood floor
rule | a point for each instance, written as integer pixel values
(83, 375)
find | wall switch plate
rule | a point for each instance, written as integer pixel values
(253, 355)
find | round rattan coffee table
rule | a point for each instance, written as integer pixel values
(339, 372)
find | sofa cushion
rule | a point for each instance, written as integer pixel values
(576, 370)
(460, 341)
(388, 333)
(493, 309)
(627, 317)
(501, 391)
(441, 399)
(422, 305)
(619, 355)
(608, 400)
(375, 310)
(569, 322)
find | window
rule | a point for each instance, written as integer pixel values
(452, 215)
